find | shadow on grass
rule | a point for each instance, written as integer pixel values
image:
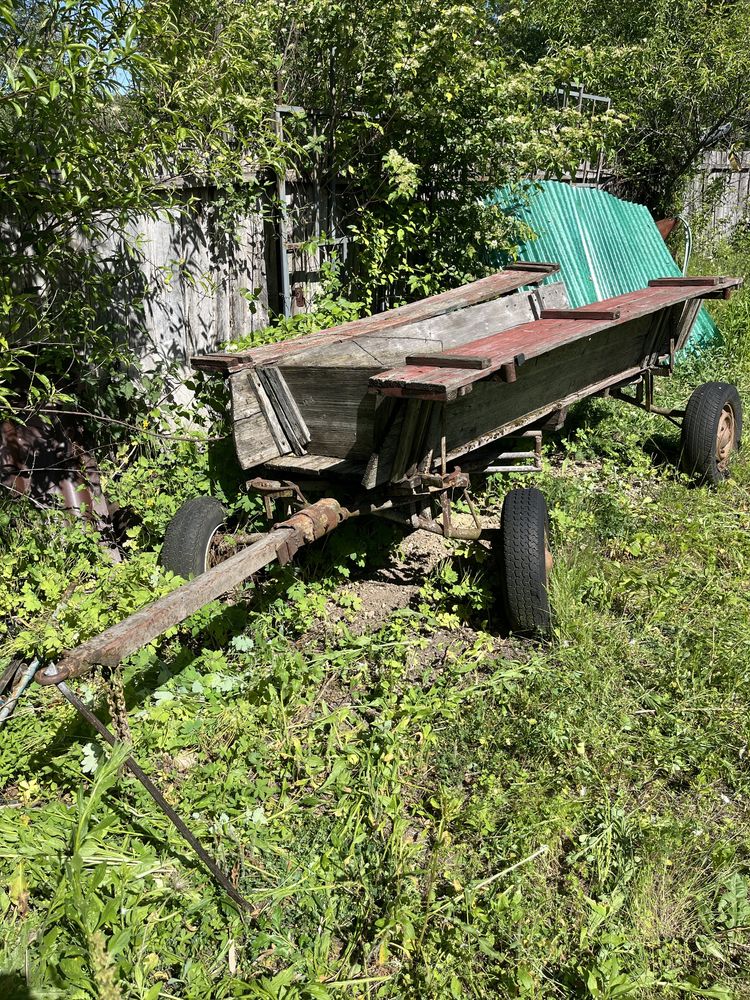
(13, 987)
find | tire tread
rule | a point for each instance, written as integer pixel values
(188, 535)
(522, 558)
(699, 427)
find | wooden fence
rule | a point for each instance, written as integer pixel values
(186, 283)
(718, 197)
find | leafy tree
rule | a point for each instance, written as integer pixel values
(96, 119)
(677, 69)
(420, 110)
(412, 113)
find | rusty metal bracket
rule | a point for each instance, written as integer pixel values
(272, 490)
(644, 400)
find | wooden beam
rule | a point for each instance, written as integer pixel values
(543, 267)
(538, 337)
(583, 313)
(483, 290)
(707, 281)
(124, 638)
(447, 361)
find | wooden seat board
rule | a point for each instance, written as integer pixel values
(530, 340)
(474, 293)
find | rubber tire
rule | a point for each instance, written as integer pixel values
(699, 428)
(522, 563)
(188, 536)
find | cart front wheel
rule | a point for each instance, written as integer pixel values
(525, 562)
(711, 431)
(193, 537)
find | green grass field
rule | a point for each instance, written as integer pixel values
(416, 805)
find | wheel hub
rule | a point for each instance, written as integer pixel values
(725, 436)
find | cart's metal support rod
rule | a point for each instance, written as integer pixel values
(119, 641)
(670, 413)
(157, 796)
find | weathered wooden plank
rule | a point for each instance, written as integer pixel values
(533, 417)
(253, 437)
(563, 375)
(710, 281)
(316, 465)
(685, 324)
(585, 313)
(285, 409)
(244, 397)
(337, 409)
(253, 441)
(408, 436)
(269, 412)
(447, 361)
(119, 641)
(456, 298)
(386, 435)
(330, 384)
(432, 335)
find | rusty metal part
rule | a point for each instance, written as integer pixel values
(272, 490)
(119, 641)
(548, 558)
(427, 490)
(511, 461)
(118, 709)
(46, 461)
(308, 526)
(159, 799)
(725, 437)
(644, 399)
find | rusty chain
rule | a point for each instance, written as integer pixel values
(118, 709)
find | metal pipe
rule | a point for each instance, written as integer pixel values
(158, 798)
(8, 706)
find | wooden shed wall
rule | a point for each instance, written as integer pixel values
(719, 195)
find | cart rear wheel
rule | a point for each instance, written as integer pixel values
(711, 431)
(525, 562)
(193, 536)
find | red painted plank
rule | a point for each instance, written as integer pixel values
(533, 339)
(472, 294)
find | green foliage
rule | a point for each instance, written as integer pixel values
(675, 69)
(424, 109)
(418, 807)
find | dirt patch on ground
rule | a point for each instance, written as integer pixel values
(366, 604)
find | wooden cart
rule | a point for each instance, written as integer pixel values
(392, 414)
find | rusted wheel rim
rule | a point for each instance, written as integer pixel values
(725, 436)
(216, 550)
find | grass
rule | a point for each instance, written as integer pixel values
(424, 809)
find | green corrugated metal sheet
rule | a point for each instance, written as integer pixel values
(604, 246)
